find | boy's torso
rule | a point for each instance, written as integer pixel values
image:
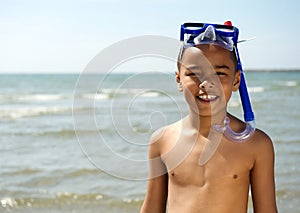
(221, 185)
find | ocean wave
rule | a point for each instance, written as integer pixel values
(60, 132)
(83, 172)
(57, 132)
(22, 172)
(70, 201)
(130, 91)
(104, 94)
(33, 97)
(75, 202)
(96, 96)
(22, 112)
(150, 94)
(256, 89)
(289, 83)
(121, 91)
(59, 199)
(42, 97)
(283, 84)
(234, 104)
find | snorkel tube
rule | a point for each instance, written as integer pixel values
(248, 113)
(225, 36)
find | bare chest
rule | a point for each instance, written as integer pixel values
(230, 164)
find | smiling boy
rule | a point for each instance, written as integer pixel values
(221, 184)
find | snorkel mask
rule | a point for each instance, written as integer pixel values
(225, 36)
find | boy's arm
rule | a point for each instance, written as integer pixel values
(157, 189)
(156, 196)
(262, 176)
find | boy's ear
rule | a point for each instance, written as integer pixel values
(178, 81)
(237, 80)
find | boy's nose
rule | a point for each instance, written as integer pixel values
(206, 85)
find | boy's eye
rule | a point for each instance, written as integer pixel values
(221, 73)
(194, 74)
(191, 74)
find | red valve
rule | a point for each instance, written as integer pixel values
(228, 23)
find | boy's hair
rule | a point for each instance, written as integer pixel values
(182, 49)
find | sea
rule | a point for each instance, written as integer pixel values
(78, 142)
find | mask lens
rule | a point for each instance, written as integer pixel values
(224, 36)
(213, 36)
(225, 30)
(194, 28)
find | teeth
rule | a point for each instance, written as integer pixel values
(207, 97)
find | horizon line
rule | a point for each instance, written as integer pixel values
(131, 72)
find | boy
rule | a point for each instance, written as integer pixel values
(221, 183)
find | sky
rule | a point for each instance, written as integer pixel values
(62, 36)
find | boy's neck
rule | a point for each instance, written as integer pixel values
(203, 124)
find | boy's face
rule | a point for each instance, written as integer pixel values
(207, 77)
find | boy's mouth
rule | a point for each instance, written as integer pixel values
(204, 97)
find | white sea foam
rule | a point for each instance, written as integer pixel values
(256, 89)
(234, 104)
(150, 94)
(41, 97)
(127, 91)
(290, 83)
(97, 96)
(106, 93)
(33, 97)
(16, 113)
(8, 202)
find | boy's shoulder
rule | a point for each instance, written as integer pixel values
(261, 136)
(163, 138)
(262, 143)
(166, 132)
(259, 139)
